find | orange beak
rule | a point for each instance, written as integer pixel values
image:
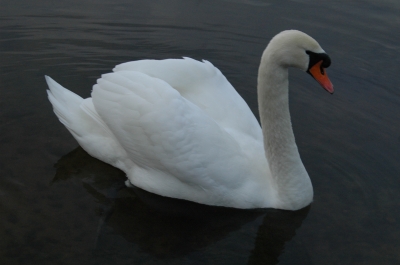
(320, 75)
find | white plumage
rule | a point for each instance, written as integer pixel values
(178, 128)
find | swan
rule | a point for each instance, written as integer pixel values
(178, 128)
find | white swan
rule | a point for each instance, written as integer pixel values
(179, 129)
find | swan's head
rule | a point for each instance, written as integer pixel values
(293, 48)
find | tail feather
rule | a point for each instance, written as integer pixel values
(65, 103)
(82, 120)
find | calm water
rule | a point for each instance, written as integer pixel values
(60, 206)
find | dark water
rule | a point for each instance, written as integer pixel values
(60, 206)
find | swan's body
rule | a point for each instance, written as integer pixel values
(178, 128)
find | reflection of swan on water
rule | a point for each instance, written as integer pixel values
(170, 228)
(178, 128)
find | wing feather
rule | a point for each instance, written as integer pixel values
(206, 87)
(162, 130)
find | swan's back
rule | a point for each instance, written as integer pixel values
(206, 87)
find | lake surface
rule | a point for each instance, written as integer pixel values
(60, 206)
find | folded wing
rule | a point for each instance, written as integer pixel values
(162, 130)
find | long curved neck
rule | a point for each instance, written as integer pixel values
(289, 175)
